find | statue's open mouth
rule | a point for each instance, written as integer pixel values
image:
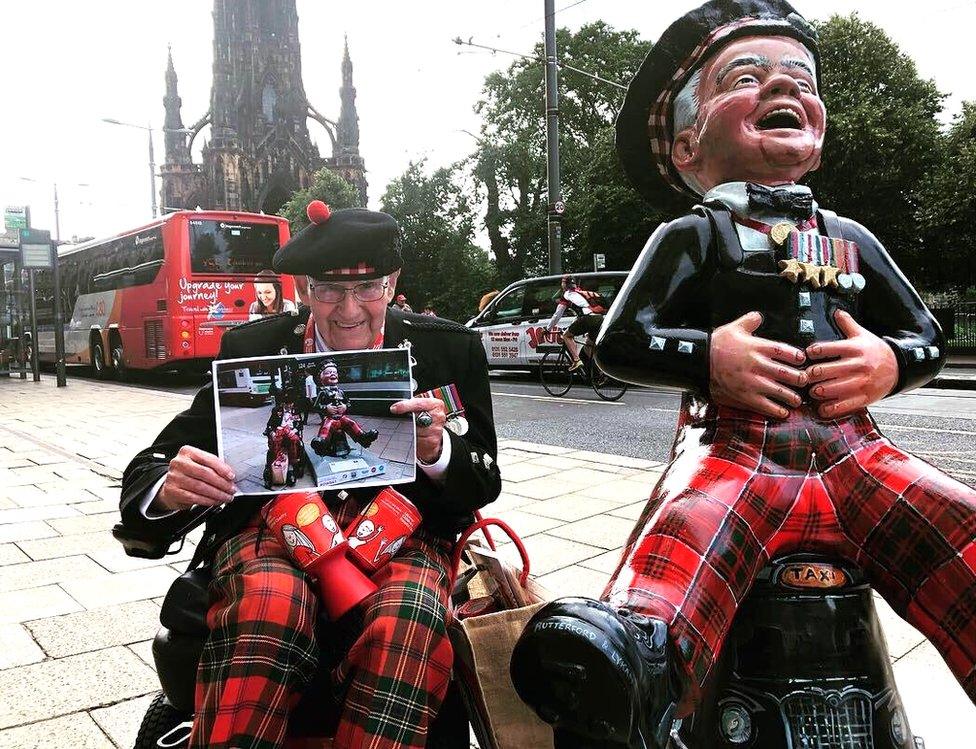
(781, 119)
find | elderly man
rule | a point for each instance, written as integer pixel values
(262, 648)
(783, 322)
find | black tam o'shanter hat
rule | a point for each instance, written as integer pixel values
(646, 119)
(350, 244)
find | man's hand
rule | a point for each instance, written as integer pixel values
(430, 440)
(754, 373)
(863, 371)
(195, 478)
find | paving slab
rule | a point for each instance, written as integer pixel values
(63, 546)
(48, 572)
(545, 487)
(574, 581)
(622, 491)
(25, 531)
(938, 709)
(19, 647)
(549, 553)
(526, 524)
(25, 514)
(88, 523)
(605, 532)
(623, 461)
(35, 603)
(570, 507)
(526, 471)
(536, 447)
(77, 730)
(121, 721)
(605, 563)
(119, 588)
(631, 512)
(104, 627)
(144, 651)
(10, 554)
(67, 685)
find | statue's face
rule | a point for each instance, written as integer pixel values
(760, 118)
(365, 529)
(329, 376)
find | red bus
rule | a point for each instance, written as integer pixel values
(160, 296)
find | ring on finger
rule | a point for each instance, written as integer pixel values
(424, 419)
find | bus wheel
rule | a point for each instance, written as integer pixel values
(118, 362)
(97, 354)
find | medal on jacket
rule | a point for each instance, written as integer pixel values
(449, 396)
(822, 262)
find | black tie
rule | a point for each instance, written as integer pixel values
(783, 201)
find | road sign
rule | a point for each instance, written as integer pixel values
(35, 248)
(559, 207)
(16, 217)
(599, 261)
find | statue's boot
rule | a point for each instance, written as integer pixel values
(599, 675)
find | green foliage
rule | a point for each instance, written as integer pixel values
(326, 186)
(947, 210)
(510, 164)
(441, 264)
(882, 133)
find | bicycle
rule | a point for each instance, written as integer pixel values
(557, 380)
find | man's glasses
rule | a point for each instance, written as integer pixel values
(333, 293)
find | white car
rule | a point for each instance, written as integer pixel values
(514, 323)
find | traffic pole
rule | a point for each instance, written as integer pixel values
(552, 143)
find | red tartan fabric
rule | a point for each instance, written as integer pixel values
(262, 648)
(741, 489)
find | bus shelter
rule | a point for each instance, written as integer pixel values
(14, 310)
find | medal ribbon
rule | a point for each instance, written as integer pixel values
(821, 250)
(448, 395)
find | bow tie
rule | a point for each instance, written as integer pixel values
(781, 200)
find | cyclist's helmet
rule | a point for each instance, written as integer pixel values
(569, 280)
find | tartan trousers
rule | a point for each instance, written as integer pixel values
(262, 649)
(742, 489)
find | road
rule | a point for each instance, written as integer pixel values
(937, 425)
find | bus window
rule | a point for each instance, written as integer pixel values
(226, 247)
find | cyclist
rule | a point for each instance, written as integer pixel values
(589, 317)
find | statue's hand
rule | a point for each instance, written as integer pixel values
(863, 370)
(754, 373)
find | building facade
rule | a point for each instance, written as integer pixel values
(260, 150)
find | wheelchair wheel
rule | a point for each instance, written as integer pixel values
(163, 720)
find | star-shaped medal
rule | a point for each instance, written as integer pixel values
(811, 274)
(790, 270)
(828, 276)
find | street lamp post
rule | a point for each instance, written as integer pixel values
(556, 206)
(152, 159)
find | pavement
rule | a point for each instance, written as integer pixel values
(77, 616)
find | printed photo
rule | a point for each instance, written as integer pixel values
(315, 420)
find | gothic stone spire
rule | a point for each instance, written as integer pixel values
(176, 148)
(347, 131)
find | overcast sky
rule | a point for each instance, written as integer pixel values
(67, 65)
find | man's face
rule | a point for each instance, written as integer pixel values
(760, 119)
(349, 324)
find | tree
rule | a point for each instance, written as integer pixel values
(441, 265)
(510, 164)
(326, 186)
(882, 134)
(947, 212)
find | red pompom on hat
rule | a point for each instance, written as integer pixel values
(318, 212)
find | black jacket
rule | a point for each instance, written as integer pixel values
(445, 352)
(694, 276)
